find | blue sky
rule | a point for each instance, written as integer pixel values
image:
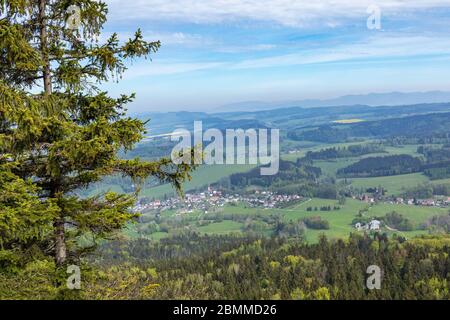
(216, 52)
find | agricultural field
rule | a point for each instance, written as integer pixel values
(395, 185)
(441, 181)
(330, 167)
(417, 214)
(348, 121)
(319, 146)
(340, 221)
(220, 228)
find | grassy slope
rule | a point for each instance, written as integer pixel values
(340, 221)
(201, 177)
(223, 227)
(395, 185)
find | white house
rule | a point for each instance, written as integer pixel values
(375, 225)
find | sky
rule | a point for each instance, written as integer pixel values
(219, 52)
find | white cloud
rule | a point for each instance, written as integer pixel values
(373, 48)
(376, 47)
(244, 48)
(283, 12)
(147, 69)
(166, 38)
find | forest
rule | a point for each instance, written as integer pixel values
(422, 126)
(382, 166)
(224, 267)
(344, 152)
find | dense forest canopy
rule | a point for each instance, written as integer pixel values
(422, 126)
(219, 267)
(382, 166)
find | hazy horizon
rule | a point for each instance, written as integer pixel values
(374, 99)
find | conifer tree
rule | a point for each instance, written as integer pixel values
(59, 132)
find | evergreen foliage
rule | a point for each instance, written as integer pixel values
(59, 132)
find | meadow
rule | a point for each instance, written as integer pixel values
(340, 221)
(394, 185)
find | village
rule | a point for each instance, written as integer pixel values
(441, 202)
(210, 199)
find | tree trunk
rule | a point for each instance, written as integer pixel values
(44, 47)
(59, 224)
(60, 242)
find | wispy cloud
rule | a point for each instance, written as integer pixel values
(378, 47)
(296, 13)
(223, 50)
(168, 68)
(167, 38)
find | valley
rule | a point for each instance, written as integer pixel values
(233, 212)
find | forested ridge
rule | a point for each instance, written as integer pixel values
(382, 166)
(422, 126)
(194, 267)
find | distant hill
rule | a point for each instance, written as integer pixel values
(372, 99)
(419, 126)
(286, 119)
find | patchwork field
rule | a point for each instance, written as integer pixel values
(340, 221)
(394, 185)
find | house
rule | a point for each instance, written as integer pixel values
(427, 202)
(359, 226)
(375, 225)
(368, 199)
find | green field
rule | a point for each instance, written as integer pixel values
(442, 181)
(340, 221)
(159, 235)
(224, 227)
(394, 185)
(416, 214)
(330, 167)
(319, 146)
